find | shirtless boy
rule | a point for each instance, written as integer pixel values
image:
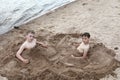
(83, 46)
(29, 43)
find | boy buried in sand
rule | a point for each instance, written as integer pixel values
(83, 46)
(28, 44)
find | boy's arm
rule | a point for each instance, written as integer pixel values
(43, 45)
(18, 54)
(39, 42)
(85, 53)
(76, 44)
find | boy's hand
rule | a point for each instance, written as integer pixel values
(26, 61)
(45, 46)
(84, 57)
(75, 44)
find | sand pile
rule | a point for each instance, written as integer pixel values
(50, 63)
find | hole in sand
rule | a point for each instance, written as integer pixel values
(50, 63)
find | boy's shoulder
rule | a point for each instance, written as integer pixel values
(24, 43)
(35, 39)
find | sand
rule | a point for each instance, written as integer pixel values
(59, 30)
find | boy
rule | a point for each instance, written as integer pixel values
(28, 44)
(83, 46)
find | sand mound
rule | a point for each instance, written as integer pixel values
(50, 64)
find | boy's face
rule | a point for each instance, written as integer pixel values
(30, 36)
(85, 39)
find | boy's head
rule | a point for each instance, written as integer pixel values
(30, 35)
(86, 37)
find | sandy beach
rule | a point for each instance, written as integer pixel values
(60, 28)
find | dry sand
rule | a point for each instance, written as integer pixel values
(59, 30)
